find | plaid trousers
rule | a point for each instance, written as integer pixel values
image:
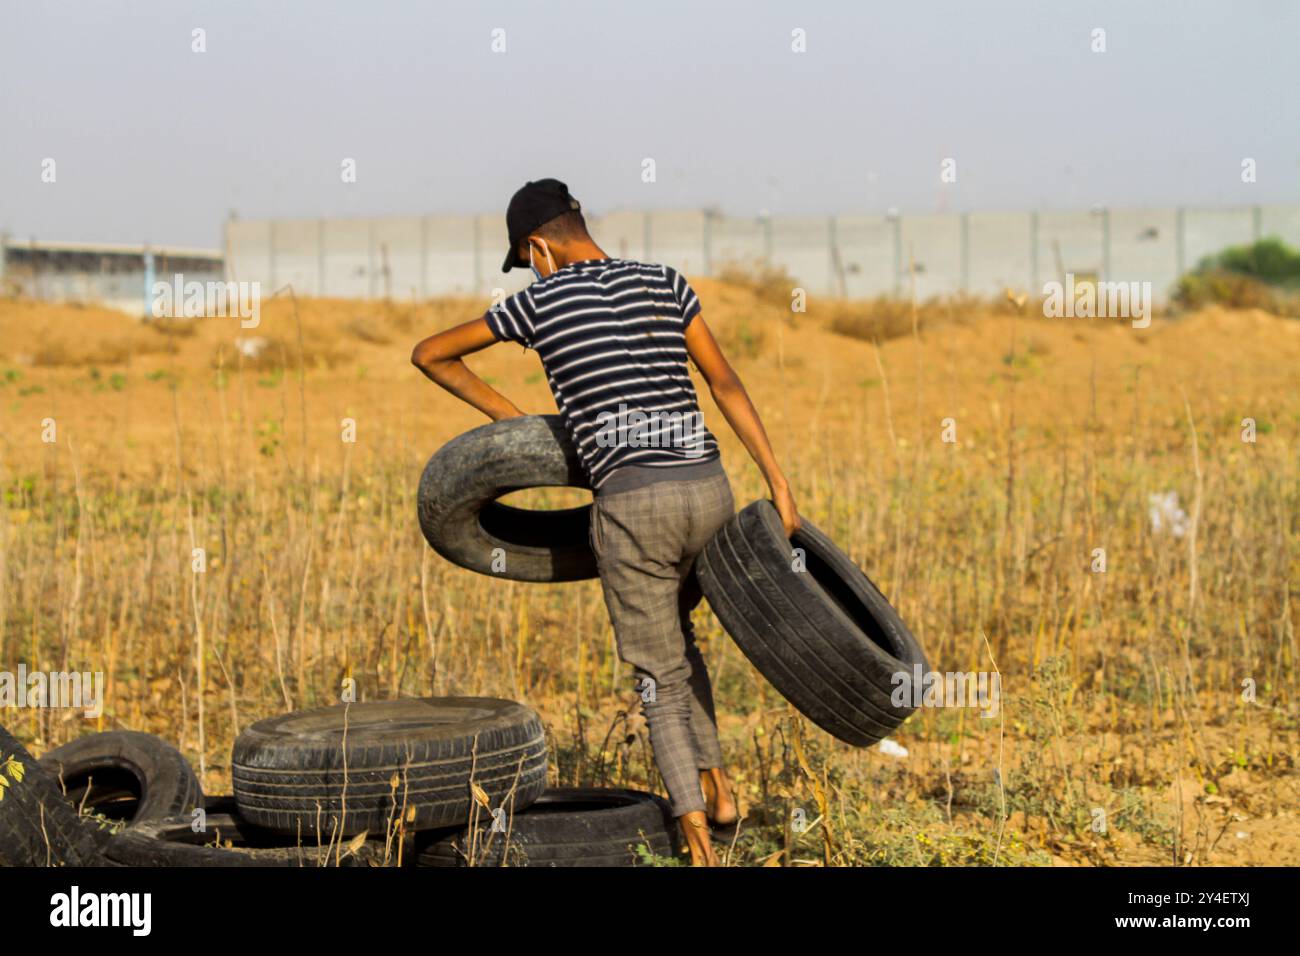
(646, 540)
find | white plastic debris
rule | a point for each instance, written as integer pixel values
(251, 347)
(1166, 515)
(892, 748)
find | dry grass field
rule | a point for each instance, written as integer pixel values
(1125, 693)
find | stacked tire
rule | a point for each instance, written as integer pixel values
(424, 763)
(465, 775)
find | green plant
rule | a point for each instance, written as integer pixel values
(1271, 260)
(648, 857)
(1263, 275)
(1232, 290)
(14, 770)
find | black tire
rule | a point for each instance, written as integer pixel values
(172, 841)
(38, 826)
(125, 776)
(463, 521)
(288, 770)
(826, 638)
(564, 827)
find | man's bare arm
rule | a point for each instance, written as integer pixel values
(440, 357)
(729, 392)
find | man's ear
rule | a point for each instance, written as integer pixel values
(542, 251)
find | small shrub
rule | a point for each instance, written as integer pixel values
(1269, 260)
(1264, 275)
(367, 328)
(770, 283)
(742, 338)
(1228, 289)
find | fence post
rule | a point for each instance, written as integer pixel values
(1180, 240)
(965, 252)
(1105, 244)
(227, 266)
(424, 257)
(370, 258)
(1033, 252)
(270, 253)
(833, 254)
(478, 259)
(320, 258)
(897, 220)
(148, 284)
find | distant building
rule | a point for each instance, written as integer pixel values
(110, 274)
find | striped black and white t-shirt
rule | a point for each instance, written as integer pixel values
(611, 335)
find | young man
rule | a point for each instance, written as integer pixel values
(613, 337)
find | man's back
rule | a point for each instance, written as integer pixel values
(611, 336)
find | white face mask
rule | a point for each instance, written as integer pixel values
(549, 261)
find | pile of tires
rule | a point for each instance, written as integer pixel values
(461, 779)
(804, 614)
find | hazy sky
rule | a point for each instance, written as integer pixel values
(154, 142)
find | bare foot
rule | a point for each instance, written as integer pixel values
(695, 826)
(718, 797)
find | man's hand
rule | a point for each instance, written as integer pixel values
(786, 508)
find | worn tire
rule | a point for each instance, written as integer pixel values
(132, 777)
(565, 827)
(827, 639)
(463, 521)
(171, 841)
(288, 770)
(38, 826)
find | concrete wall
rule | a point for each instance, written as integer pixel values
(854, 256)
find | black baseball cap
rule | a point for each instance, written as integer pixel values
(532, 205)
